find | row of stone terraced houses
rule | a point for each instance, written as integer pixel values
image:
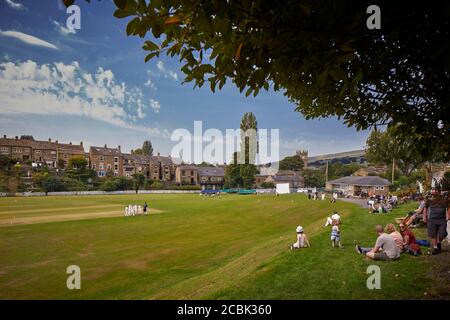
(105, 161)
(109, 161)
(112, 161)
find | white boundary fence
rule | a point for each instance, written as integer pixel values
(90, 193)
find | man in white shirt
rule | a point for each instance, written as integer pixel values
(334, 216)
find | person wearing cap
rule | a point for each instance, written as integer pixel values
(302, 239)
(436, 214)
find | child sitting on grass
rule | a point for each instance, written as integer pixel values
(302, 239)
(335, 234)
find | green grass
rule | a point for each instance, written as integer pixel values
(323, 272)
(232, 247)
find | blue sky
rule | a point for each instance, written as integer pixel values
(93, 85)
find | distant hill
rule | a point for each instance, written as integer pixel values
(354, 153)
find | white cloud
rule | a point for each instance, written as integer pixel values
(27, 39)
(155, 105)
(173, 75)
(15, 5)
(165, 72)
(62, 29)
(150, 82)
(65, 89)
(160, 66)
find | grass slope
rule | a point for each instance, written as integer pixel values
(228, 248)
(176, 254)
(323, 272)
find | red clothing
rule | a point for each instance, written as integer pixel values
(412, 240)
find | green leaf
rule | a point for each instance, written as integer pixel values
(120, 3)
(132, 26)
(151, 55)
(150, 46)
(122, 13)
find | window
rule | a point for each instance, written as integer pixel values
(52, 152)
(116, 167)
(116, 159)
(102, 158)
(4, 149)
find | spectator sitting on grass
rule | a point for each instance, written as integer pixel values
(385, 248)
(302, 239)
(409, 240)
(334, 216)
(397, 236)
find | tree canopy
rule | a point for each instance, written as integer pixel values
(319, 53)
(384, 147)
(146, 150)
(292, 163)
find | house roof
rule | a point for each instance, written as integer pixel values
(44, 145)
(105, 151)
(167, 161)
(211, 171)
(187, 167)
(361, 181)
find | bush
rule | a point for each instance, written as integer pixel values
(117, 184)
(156, 185)
(184, 187)
(73, 184)
(267, 185)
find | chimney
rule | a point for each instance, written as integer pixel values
(118, 147)
(81, 143)
(158, 154)
(49, 139)
(4, 136)
(106, 146)
(17, 137)
(56, 141)
(69, 142)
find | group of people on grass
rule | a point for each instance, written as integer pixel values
(136, 210)
(334, 221)
(434, 211)
(316, 195)
(382, 204)
(390, 243)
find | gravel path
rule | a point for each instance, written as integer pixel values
(361, 202)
